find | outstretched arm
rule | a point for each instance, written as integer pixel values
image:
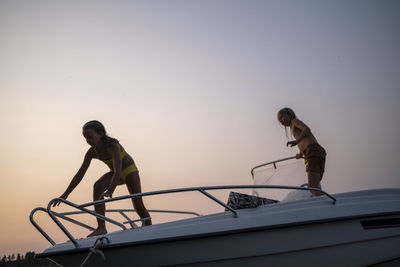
(78, 176)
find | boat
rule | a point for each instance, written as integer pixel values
(357, 228)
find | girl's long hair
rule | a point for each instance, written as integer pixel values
(98, 127)
(291, 115)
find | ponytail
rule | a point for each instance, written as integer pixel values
(98, 127)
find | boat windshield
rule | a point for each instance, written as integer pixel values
(289, 172)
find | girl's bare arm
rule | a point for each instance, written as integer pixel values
(78, 176)
(305, 131)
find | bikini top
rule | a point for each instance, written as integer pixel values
(109, 162)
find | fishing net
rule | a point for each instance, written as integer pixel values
(290, 172)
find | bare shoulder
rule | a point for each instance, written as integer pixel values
(114, 147)
(298, 124)
(91, 153)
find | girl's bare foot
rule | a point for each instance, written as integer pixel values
(98, 231)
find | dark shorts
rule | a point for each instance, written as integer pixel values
(314, 157)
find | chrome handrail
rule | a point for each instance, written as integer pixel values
(37, 225)
(59, 224)
(133, 210)
(269, 163)
(120, 211)
(63, 216)
(137, 195)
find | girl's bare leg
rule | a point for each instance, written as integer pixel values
(133, 185)
(314, 179)
(98, 188)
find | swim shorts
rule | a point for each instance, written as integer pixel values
(314, 158)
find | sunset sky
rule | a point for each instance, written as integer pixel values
(191, 90)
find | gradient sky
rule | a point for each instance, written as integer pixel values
(191, 89)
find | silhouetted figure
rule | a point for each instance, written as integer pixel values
(122, 171)
(314, 154)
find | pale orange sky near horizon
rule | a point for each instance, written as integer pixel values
(191, 90)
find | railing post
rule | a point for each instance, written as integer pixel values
(59, 224)
(73, 221)
(219, 202)
(68, 234)
(38, 227)
(132, 224)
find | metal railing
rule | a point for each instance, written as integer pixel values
(64, 215)
(269, 163)
(122, 213)
(202, 190)
(38, 227)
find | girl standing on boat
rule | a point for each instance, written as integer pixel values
(314, 154)
(122, 171)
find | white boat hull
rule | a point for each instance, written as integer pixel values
(353, 232)
(344, 245)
